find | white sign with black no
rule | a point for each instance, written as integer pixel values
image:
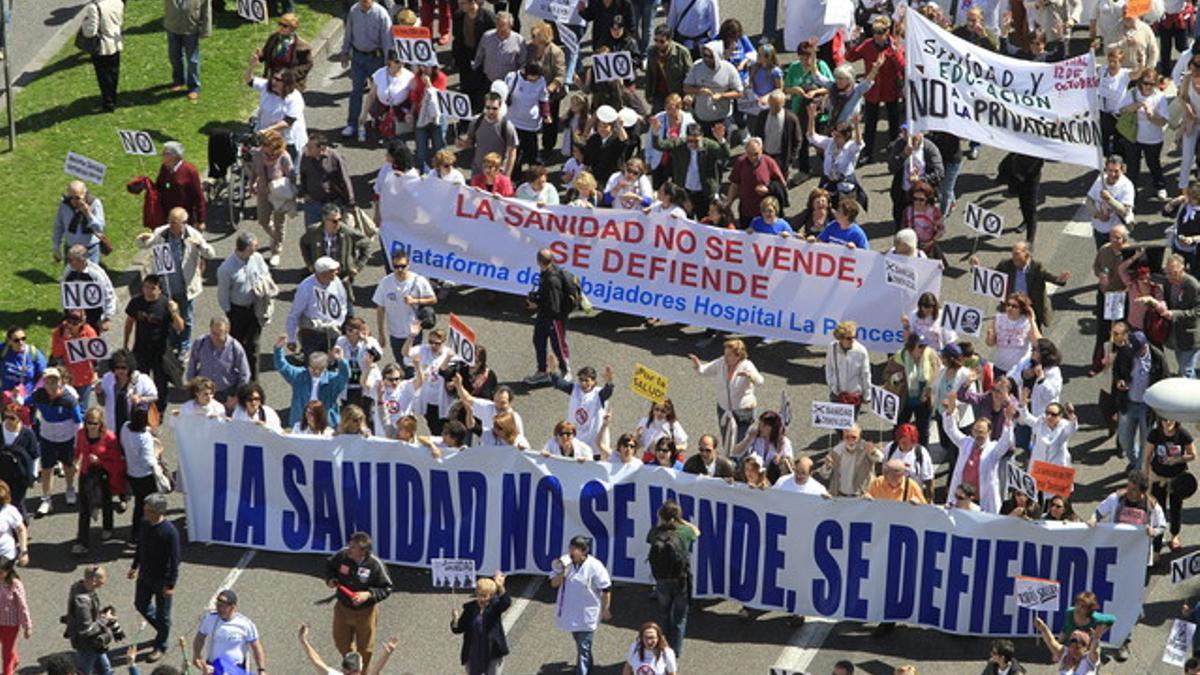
(162, 259)
(612, 66)
(82, 295)
(137, 142)
(983, 221)
(253, 10)
(989, 283)
(884, 404)
(86, 349)
(962, 319)
(416, 51)
(1019, 479)
(455, 105)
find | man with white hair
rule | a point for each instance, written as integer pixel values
(501, 50)
(801, 480)
(80, 220)
(714, 84)
(183, 282)
(319, 309)
(179, 185)
(221, 359)
(780, 130)
(81, 268)
(243, 286)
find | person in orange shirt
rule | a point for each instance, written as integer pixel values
(894, 485)
(82, 373)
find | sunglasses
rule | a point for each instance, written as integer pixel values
(1050, 413)
(391, 379)
(254, 398)
(18, 338)
(402, 267)
(91, 424)
(435, 344)
(566, 433)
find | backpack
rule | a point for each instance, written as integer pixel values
(668, 557)
(572, 294)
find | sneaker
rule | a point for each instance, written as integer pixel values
(362, 135)
(565, 376)
(540, 377)
(78, 549)
(43, 508)
(121, 505)
(1161, 194)
(973, 152)
(105, 535)
(273, 261)
(1122, 654)
(71, 497)
(154, 656)
(348, 132)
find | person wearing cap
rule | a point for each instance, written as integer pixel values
(320, 307)
(1137, 366)
(603, 15)
(352, 662)
(617, 38)
(714, 84)
(230, 635)
(888, 89)
(1080, 655)
(81, 268)
(361, 582)
(604, 150)
(186, 281)
(59, 418)
(978, 458)
(481, 624)
(156, 566)
(584, 597)
(1135, 272)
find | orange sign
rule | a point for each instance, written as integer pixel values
(1053, 479)
(416, 32)
(1137, 7)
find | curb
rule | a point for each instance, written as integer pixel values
(43, 56)
(329, 34)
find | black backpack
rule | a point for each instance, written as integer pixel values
(572, 294)
(668, 556)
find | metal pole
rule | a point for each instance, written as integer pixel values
(5, 29)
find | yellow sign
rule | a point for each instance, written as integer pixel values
(649, 384)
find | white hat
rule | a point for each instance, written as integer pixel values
(326, 264)
(606, 114)
(629, 116)
(717, 47)
(499, 87)
(52, 372)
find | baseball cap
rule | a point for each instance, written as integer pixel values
(227, 597)
(52, 372)
(952, 351)
(326, 264)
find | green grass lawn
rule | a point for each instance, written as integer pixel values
(60, 111)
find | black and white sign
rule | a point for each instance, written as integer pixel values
(556, 11)
(785, 409)
(454, 105)
(162, 259)
(452, 572)
(612, 66)
(416, 51)
(329, 304)
(1114, 305)
(884, 404)
(1019, 479)
(1185, 568)
(963, 319)
(832, 415)
(983, 221)
(82, 295)
(87, 349)
(137, 142)
(85, 169)
(1179, 643)
(989, 283)
(462, 340)
(253, 10)
(900, 275)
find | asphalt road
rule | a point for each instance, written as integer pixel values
(35, 27)
(279, 591)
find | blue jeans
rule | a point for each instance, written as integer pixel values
(1130, 423)
(947, 186)
(312, 211)
(645, 10)
(85, 396)
(572, 57)
(1187, 362)
(179, 48)
(86, 662)
(583, 650)
(361, 67)
(770, 19)
(187, 310)
(158, 615)
(430, 138)
(673, 601)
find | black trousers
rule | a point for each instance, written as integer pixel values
(872, 124)
(527, 155)
(108, 71)
(85, 511)
(244, 327)
(142, 487)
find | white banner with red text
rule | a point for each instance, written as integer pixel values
(658, 266)
(1047, 110)
(849, 559)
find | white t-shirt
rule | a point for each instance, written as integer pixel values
(390, 294)
(787, 483)
(652, 431)
(213, 409)
(652, 664)
(392, 90)
(767, 452)
(485, 411)
(1148, 133)
(270, 418)
(10, 520)
(578, 447)
(586, 412)
(454, 176)
(433, 391)
(1012, 341)
(1123, 192)
(524, 101)
(579, 595)
(917, 465)
(394, 404)
(272, 109)
(1112, 89)
(394, 202)
(228, 641)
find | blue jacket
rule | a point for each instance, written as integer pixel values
(21, 368)
(328, 391)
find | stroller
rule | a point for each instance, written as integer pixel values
(228, 182)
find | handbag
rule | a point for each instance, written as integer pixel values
(90, 45)
(426, 316)
(1158, 328)
(162, 481)
(106, 247)
(1127, 125)
(853, 398)
(282, 194)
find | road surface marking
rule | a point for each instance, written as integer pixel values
(804, 644)
(518, 606)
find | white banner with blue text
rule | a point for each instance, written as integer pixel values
(657, 266)
(846, 559)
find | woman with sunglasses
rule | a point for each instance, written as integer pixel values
(629, 188)
(252, 407)
(122, 388)
(280, 107)
(1059, 509)
(627, 450)
(565, 444)
(82, 374)
(660, 422)
(315, 421)
(925, 321)
(387, 98)
(285, 50)
(840, 151)
(1081, 653)
(924, 217)
(101, 475)
(1151, 107)
(1013, 332)
(1051, 430)
(1169, 448)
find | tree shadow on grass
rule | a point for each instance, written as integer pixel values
(90, 105)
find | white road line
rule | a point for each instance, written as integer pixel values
(1081, 224)
(804, 644)
(519, 605)
(231, 578)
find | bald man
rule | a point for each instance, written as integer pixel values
(801, 480)
(895, 485)
(79, 221)
(1026, 275)
(780, 131)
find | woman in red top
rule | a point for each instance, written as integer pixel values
(493, 179)
(925, 218)
(82, 373)
(14, 613)
(98, 452)
(429, 124)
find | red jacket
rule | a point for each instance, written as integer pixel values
(889, 81)
(152, 213)
(181, 187)
(108, 451)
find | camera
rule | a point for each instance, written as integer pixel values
(112, 624)
(455, 366)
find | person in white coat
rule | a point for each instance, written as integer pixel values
(1051, 432)
(181, 271)
(102, 20)
(979, 459)
(848, 367)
